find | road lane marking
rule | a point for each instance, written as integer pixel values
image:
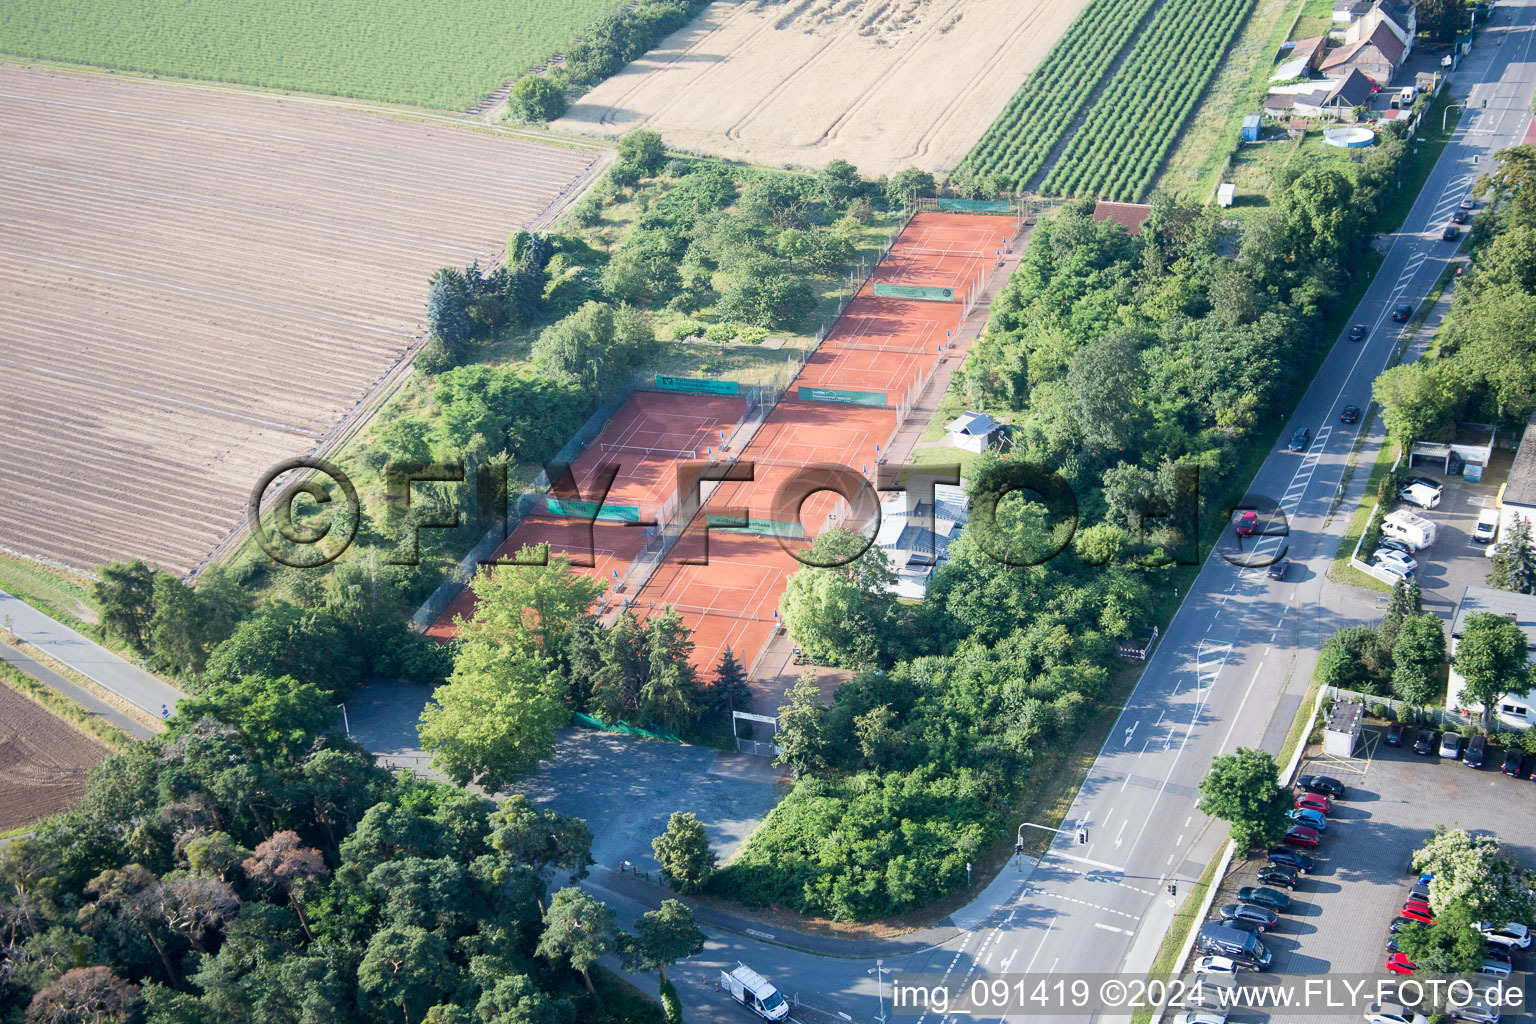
(1239, 714)
(1087, 860)
(1043, 938)
(1112, 928)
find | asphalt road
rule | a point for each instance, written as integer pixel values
(87, 657)
(1229, 671)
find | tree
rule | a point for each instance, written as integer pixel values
(448, 302)
(661, 937)
(408, 969)
(1440, 20)
(216, 855)
(1105, 380)
(641, 150)
(904, 184)
(1449, 946)
(578, 929)
(538, 839)
(278, 719)
(1417, 656)
(728, 691)
(1242, 790)
(497, 715)
(1513, 184)
(801, 734)
(1350, 659)
(536, 99)
(684, 854)
(85, 995)
(1474, 872)
(839, 183)
(1418, 400)
(1397, 610)
(283, 863)
(125, 594)
(515, 999)
(841, 611)
(530, 607)
(1491, 657)
(1514, 564)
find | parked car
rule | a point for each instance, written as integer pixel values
(1300, 439)
(1271, 898)
(1301, 835)
(1322, 784)
(1261, 918)
(1392, 544)
(1512, 760)
(1278, 568)
(1297, 861)
(1400, 922)
(1247, 522)
(1469, 203)
(1478, 1011)
(1513, 934)
(1494, 968)
(1395, 733)
(1307, 816)
(1391, 571)
(1278, 874)
(1425, 743)
(1450, 234)
(1357, 332)
(1316, 801)
(1487, 526)
(1392, 1013)
(1426, 481)
(1402, 312)
(1460, 217)
(1450, 745)
(1216, 965)
(1349, 414)
(1419, 912)
(1398, 963)
(1477, 750)
(1201, 1017)
(1404, 562)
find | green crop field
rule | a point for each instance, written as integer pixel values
(1024, 134)
(1125, 137)
(430, 53)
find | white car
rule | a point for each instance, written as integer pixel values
(1392, 1013)
(1397, 572)
(1202, 1017)
(1478, 1012)
(1420, 495)
(1487, 526)
(1512, 934)
(1388, 557)
(1222, 965)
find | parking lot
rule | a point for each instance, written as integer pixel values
(1337, 921)
(1455, 561)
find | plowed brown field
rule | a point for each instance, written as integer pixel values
(43, 761)
(196, 284)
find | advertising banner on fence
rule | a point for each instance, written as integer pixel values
(760, 527)
(914, 291)
(810, 394)
(584, 510)
(976, 205)
(697, 385)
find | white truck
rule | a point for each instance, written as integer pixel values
(753, 991)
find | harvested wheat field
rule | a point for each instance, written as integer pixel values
(197, 284)
(883, 84)
(43, 761)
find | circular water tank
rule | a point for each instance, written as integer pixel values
(1349, 137)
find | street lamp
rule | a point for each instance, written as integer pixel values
(879, 971)
(344, 723)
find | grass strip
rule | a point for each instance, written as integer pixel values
(58, 704)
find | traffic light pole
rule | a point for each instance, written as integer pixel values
(1081, 832)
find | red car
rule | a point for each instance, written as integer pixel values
(1397, 963)
(1301, 835)
(1316, 801)
(1247, 523)
(1420, 912)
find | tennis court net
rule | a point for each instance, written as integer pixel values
(922, 250)
(866, 346)
(655, 607)
(610, 448)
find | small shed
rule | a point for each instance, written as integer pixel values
(1341, 733)
(1296, 127)
(973, 431)
(1225, 193)
(1251, 128)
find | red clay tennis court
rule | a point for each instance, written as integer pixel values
(727, 603)
(880, 346)
(649, 435)
(956, 232)
(799, 434)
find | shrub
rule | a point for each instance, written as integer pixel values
(687, 329)
(753, 335)
(536, 99)
(721, 333)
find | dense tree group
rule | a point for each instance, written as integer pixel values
(253, 865)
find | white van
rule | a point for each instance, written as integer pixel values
(1420, 495)
(753, 991)
(1407, 96)
(1413, 530)
(1487, 527)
